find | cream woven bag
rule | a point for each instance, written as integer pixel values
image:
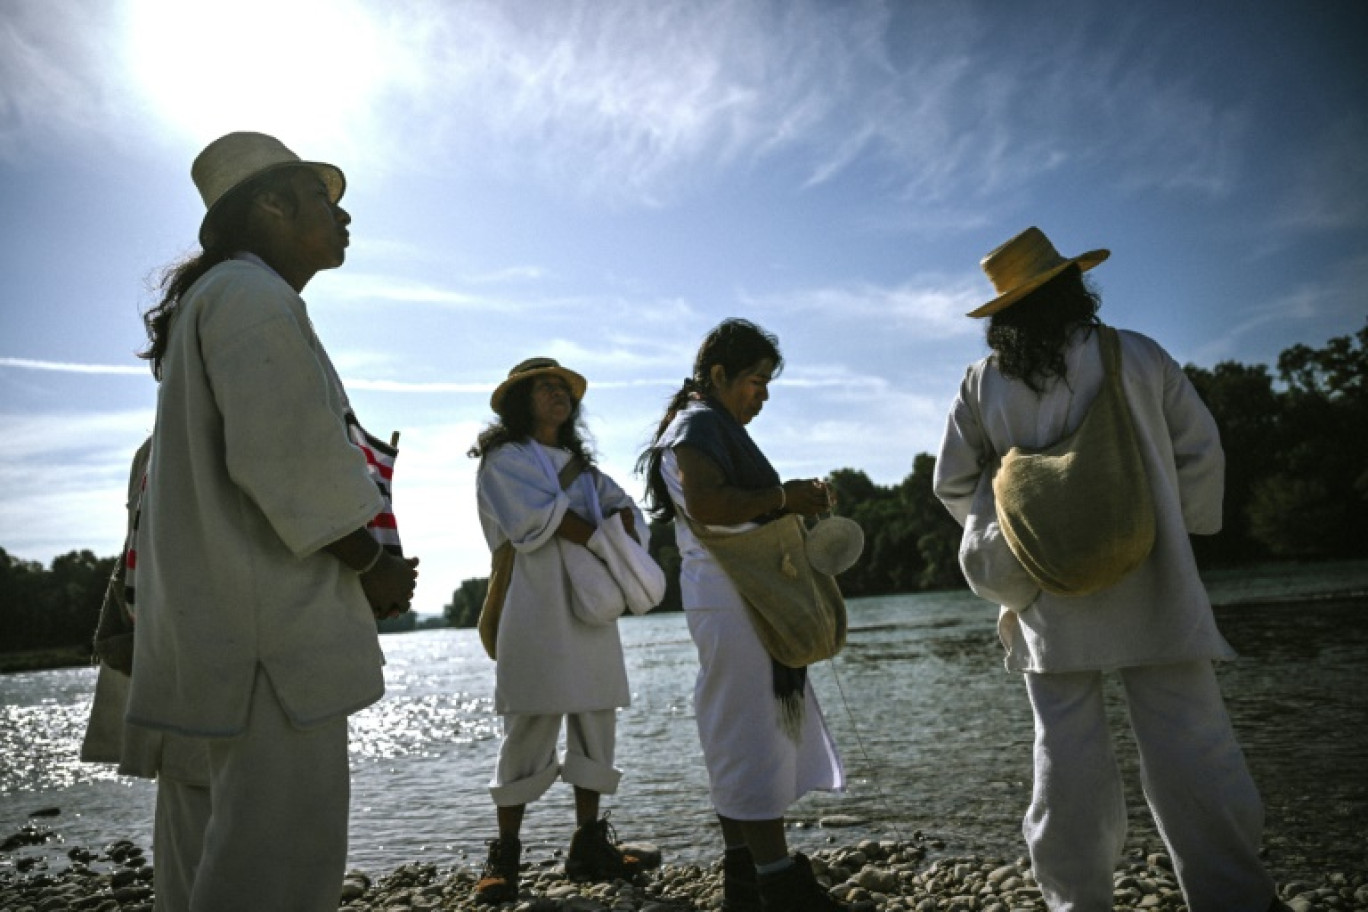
(1079, 514)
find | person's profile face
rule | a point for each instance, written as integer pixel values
(745, 394)
(319, 225)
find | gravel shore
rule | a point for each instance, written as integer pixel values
(872, 876)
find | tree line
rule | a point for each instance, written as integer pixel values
(49, 608)
(1296, 445)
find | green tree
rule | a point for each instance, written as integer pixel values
(1313, 504)
(1246, 408)
(54, 608)
(466, 602)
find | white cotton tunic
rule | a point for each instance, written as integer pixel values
(755, 771)
(251, 475)
(548, 660)
(1160, 612)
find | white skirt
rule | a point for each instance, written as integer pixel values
(755, 770)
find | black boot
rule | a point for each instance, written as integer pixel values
(795, 889)
(740, 886)
(594, 855)
(499, 880)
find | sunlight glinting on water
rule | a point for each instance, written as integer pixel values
(39, 746)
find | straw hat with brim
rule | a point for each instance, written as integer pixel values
(1023, 264)
(535, 367)
(834, 545)
(230, 161)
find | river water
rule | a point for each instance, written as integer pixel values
(935, 735)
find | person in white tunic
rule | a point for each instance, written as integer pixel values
(258, 584)
(1154, 628)
(180, 765)
(553, 668)
(703, 465)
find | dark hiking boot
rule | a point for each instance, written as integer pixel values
(595, 856)
(740, 885)
(499, 880)
(796, 889)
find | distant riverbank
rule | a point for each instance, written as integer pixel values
(1230, 586)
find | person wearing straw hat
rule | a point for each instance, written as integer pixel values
(1153, 626)
(258, 583)
(540, 493)
(765, 743)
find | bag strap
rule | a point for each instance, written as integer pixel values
(1111, 363)
(1111, 354)
(567, 477)
(572, 469)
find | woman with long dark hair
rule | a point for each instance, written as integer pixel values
(539, 494)
(764, 740)
(1144, 616)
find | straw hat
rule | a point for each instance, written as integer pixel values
(231, 160)
(535, 367)
(1023, 264)
(834, 544)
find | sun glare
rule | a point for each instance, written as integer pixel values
(305, 70)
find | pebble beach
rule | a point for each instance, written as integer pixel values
(882, 876)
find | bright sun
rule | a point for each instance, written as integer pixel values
(305, 70)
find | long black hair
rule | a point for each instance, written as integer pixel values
(1029, 337)
(735, 345)
(233, 232)
(516, 423)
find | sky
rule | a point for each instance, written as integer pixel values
(603, 182)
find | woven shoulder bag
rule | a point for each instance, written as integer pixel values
(1079, 514)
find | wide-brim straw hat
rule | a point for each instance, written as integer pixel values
(230, 161)
(1023, 264)
(535, 367)
(834, 544)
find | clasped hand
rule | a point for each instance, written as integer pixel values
(389, 585)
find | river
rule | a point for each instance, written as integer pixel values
(936, 737)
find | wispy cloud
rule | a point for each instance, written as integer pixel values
(72, 368)
(934, 306)
(1333, 298)
(53, 80)
(638, 102)
(75, 472)
(371, 287)
(1328, 183)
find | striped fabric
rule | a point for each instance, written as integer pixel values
(380, 458)
(125, 571)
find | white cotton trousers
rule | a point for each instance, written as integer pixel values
(528, 763)
(1195, 780)
(181, 817)
(277, 834)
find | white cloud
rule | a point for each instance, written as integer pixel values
(72, 368)
(931, 306)
(370, 287)
(638, 102)
(54, 76)
(74, 471)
